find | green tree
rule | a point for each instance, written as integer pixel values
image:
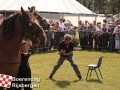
(115, 6)
(102, 6)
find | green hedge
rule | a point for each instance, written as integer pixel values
(75, 41)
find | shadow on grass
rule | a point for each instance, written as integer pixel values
(62, 84)
(94, 80)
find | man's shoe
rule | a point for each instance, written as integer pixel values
(50, 77)
(80, 78)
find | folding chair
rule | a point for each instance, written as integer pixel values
(94, 67)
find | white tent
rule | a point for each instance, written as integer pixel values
(56, 6)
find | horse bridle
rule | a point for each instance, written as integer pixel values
(28, 26)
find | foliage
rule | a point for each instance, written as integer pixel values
(102, 6)
(75, 41)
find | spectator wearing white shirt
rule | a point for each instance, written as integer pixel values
(62, 25)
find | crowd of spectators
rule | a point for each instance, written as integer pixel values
(99, 36)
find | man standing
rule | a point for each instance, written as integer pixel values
(65, 51)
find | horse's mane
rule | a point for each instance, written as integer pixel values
(9, 25)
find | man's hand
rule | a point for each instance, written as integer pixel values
(61, 52)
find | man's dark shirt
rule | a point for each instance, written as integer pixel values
(67, 48)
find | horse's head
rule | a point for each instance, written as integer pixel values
(42, 21)
(33, 29)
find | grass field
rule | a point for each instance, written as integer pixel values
(65, 78)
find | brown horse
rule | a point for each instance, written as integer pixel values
(42, 21)
(12, 30)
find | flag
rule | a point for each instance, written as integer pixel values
(5, 80)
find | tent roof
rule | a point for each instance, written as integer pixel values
(57, 6)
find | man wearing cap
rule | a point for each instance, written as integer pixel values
(65, 50)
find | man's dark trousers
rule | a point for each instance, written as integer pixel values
(60, 62)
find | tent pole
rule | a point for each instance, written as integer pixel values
(49, 15)
(59, 16)
(5, 14)
(95, 18)
(119, 15)
(63, 16)
(78, 19)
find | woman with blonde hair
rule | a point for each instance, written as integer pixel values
(24, 69)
